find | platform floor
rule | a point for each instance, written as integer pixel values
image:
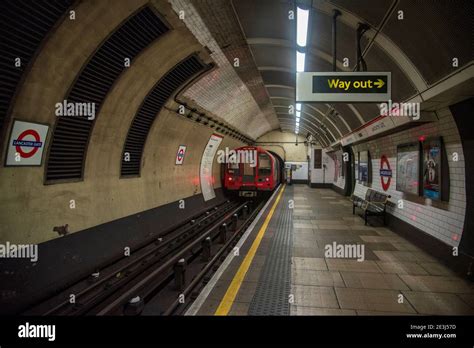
(281, 268)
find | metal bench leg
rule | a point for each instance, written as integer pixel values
(353, 209)
(365, 215)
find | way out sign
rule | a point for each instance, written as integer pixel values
(180, 154)
(343, 87)
(26, 144)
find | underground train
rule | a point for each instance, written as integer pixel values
(251, 171)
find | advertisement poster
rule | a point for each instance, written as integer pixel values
(364, 166)
(408, 168)
(432, 168)
(207, 160)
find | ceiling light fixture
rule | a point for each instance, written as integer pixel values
(302, 26)
(300, 57)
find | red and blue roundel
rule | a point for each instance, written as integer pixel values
(385, 173)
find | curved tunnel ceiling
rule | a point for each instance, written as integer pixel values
(254, 95)
(271, 38)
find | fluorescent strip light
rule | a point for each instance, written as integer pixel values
(300, 57)
(302, 17)
(298, 107)
(297, 119)
(298, 113)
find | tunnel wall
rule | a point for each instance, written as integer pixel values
(30, 209)
(283, 143)
(441, 220)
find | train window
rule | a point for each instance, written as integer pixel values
(264, 165)
(233, 168)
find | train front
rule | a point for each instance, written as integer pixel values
(249, 170)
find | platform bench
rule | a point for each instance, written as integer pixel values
(374, 204)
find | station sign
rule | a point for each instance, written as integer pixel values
(385, 173)
(26, 144)
(345, 87)
(180, 154)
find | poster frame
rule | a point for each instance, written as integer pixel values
(418, 146)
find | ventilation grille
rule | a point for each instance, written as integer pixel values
(24, 25)
(149, 110)
(71, 135)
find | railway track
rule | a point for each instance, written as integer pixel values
(161, 276)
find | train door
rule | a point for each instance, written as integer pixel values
(248, 173)
(264, 166)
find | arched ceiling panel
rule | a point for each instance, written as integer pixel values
(278, 78)
(326, 122)
(346, 112)
(269, 55)
(378, 60)
(372, 11)
(315, 63)
(426, 26)
(321, 37)
(258, 18)
(306, 127)
(281, 92)
(332, 118)
(368, 111)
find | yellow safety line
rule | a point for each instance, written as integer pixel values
(231, 293)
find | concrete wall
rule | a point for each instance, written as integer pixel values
(442, 220)
(283, 144)
(29, 209)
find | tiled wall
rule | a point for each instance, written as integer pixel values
(239, 108)
(446, 221)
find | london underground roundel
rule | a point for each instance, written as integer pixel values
(385, 173)
(26, 144)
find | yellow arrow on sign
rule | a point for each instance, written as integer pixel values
(379, 83)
